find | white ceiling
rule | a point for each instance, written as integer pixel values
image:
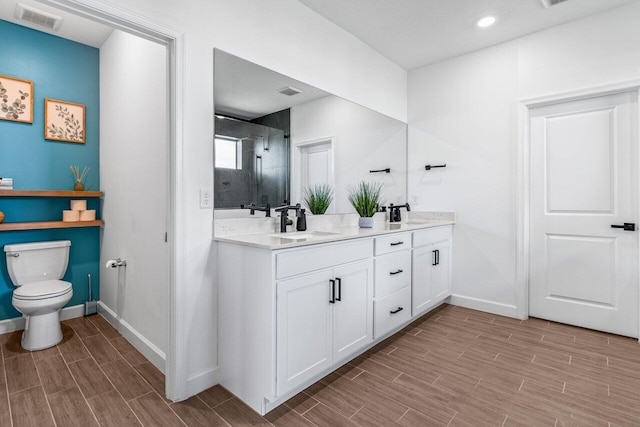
(73, 27)
(246, 90)
(413, 33)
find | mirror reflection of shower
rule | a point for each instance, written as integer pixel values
(251, 161)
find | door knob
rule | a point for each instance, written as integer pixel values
(628, 226)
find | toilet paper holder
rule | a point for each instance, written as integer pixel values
(114, 263)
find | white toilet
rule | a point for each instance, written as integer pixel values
(36, 269)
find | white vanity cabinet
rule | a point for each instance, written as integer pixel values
(322, 318)
(431, 268)
(288, 316)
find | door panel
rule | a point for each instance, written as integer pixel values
(585, 185)
(440, 273)
(353, 313)
(422, 281)
(304, 329)
(578, 266)
(583, 180)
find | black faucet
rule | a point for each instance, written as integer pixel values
(253, 208)
(394, 212)
(284, 218)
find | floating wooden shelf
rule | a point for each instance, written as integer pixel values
(42, 225)
(49, 193)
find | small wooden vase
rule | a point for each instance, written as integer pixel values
(1, 217)
(79, 186)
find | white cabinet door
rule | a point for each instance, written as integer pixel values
(431, 282)
(304, 328)
(421, 283)
(440, 281)
(353, 309)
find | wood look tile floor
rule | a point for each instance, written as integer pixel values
(453, 367)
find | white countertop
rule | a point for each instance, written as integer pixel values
(275, 241)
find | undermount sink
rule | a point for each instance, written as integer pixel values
(302, 235)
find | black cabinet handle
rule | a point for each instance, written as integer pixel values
(396, 311)
(434, 258)
(628, 226)
(393, 273)
(339, 297)
(333, 291)
(437, 256)
(396, 243)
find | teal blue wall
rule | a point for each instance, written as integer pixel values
(59, 69)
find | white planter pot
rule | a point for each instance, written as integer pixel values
(365, 222)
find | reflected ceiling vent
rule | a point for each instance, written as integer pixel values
(290, 91)
(548, 3)
(38, 17)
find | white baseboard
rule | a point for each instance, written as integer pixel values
(202, 381)
(72, 312)
(484, 305)
(156, 356)
(17, 323)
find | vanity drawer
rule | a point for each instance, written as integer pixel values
(392, 272)
(392, 243)
(391, 311)
(431, 236)
(306, 260)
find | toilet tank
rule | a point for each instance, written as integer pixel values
(37, 261)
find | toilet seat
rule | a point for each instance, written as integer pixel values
(42, 290)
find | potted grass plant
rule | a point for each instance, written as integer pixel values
(365, 197)
(318, 198)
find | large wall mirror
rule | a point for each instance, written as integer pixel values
(276, 136)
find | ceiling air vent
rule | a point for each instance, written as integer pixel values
(548, 3)
(38, 17)
(290, 91)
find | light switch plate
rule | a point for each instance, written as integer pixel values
(206, 201)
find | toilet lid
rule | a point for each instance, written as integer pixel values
(43, 289)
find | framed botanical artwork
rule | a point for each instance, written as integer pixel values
(63, 121)
(16, 99)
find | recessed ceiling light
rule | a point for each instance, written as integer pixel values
(486, 21)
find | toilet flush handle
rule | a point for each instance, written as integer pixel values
(16, 255)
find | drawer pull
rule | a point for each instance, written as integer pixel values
(393, 273)
(398, 310)
(339, 297)
(396, 243)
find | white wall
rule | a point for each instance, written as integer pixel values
(464, 111)
(362, 140)
(133, 163)
(282, 35)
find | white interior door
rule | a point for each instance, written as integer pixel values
(313, 165)
(584, 163)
